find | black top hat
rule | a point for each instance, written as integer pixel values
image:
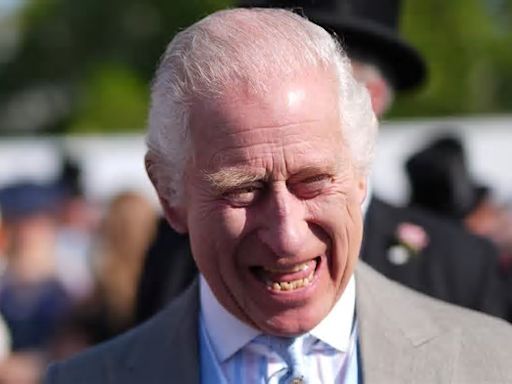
(440, 180)
(368, 31)
(69, 179)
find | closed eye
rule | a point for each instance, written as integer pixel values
(311, 186)
(244, 195)
(316, 178)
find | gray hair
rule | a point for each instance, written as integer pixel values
(244, 46)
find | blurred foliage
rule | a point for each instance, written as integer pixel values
(467, 45)
(84, 66)
(114, 98)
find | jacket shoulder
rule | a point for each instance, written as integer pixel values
(475, 345)
(446, 314)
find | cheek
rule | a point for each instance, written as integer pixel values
(230, 223)
(334, 208)
(340, 218)
(215, 223)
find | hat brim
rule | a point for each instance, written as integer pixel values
(369, 42)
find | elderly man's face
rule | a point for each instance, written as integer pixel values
(273, 203)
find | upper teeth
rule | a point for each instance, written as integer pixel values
(296, 268)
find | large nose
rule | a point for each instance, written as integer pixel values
(284, 228)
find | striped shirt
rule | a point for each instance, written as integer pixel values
(329, 349)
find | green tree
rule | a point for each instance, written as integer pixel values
(85, 65)
(467, 47)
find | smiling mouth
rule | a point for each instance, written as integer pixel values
(287, 278)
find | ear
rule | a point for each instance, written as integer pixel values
(361, 188)
(380, 95)
(175, 214)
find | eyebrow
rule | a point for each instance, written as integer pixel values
(234, 177)
(229, 178)
(331, 169)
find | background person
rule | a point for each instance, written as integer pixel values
(128, 226)
(32, 301)
(77, 222)
(441, 182)
(126, 229)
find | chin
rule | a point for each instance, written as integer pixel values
(296, 322)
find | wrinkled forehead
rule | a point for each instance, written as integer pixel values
(310, 94)
(295, 117)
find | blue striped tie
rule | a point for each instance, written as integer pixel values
(290, 350)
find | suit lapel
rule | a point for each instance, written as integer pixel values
(400, 342)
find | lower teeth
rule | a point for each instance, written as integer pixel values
(290, 285)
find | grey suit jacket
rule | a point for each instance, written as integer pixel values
(405, 337)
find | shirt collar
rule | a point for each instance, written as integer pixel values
(336, 327)
(228, 334)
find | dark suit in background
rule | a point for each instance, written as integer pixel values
(168, 269)
(454, 266)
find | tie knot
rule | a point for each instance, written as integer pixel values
(290, 349)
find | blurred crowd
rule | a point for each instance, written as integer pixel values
(441, 181)
(69, 270)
